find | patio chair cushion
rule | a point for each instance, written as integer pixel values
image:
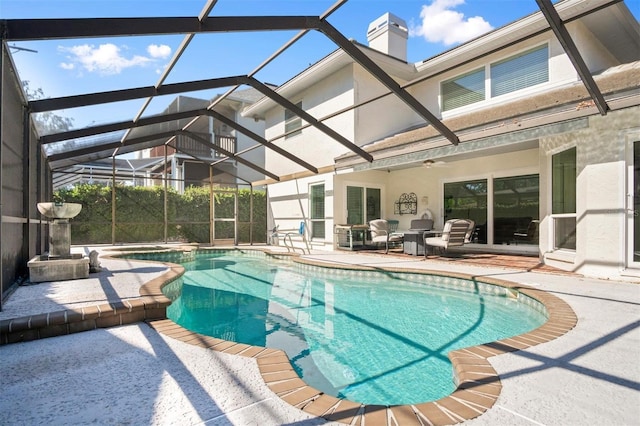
(379, 229)
(453, 234)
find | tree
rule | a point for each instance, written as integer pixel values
(46, 122)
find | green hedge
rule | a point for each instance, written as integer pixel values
(139, 214)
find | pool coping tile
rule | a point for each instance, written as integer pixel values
(321, 405)
(403, 415)
(286, 386)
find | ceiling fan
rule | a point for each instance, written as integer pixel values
(432, 163)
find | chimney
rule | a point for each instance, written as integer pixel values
(388, 34)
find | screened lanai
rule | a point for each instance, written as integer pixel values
(182, 135)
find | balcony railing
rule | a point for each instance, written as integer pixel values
(228, 143)
(190, 146)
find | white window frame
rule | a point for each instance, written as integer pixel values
(563, 253)
(482, 69)
(632, 267)
(513, 57)
(294, 122)
(488, 98)
(319, 221)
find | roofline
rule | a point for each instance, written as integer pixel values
(534, 23)
(332, 62)
(530, 25)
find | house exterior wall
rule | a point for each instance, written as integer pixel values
(602, 143)
(595, 55)
(382, 118)
(561, 72)
(312, 145)
(370, 179)
(601, 240)
(428, 182)
(289, 205)
(256, 156)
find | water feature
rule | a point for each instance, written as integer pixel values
(59, 263)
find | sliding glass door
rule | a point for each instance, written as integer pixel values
(363, 204)
(516, 210)
(505, 210)
(468, 200)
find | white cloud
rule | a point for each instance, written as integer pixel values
(161, 51)
(441, 24)
(109, 59)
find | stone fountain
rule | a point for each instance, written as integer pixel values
(59, 264)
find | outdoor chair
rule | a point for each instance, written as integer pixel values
(529, 235)
(468, 237)
(454, 234)
(380, 233)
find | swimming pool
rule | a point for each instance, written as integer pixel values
(370, 337)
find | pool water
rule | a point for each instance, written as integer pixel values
(373, 338)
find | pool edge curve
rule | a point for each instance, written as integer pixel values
(478, 385)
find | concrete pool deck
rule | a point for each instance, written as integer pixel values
(133, 374)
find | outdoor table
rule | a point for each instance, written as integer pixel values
(350, 237)
(414, 240)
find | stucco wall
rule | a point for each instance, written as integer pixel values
(428, 182)
(312, 145)
(372, 179)
(561, 72)
(601, 229)
(256, 156)
(289, 205)
(595, 55)
(384, 117)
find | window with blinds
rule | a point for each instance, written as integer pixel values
(521, 71)
(292, 122)
(463, 90)
(316, 210)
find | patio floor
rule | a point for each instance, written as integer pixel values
(133, 374)
(527, 263)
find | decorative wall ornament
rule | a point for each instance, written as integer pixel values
(406, 204)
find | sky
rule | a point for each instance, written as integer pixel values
(77, 66)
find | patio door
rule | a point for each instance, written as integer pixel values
(363, 204)
(633, 206)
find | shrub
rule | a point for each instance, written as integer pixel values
(140, 211)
